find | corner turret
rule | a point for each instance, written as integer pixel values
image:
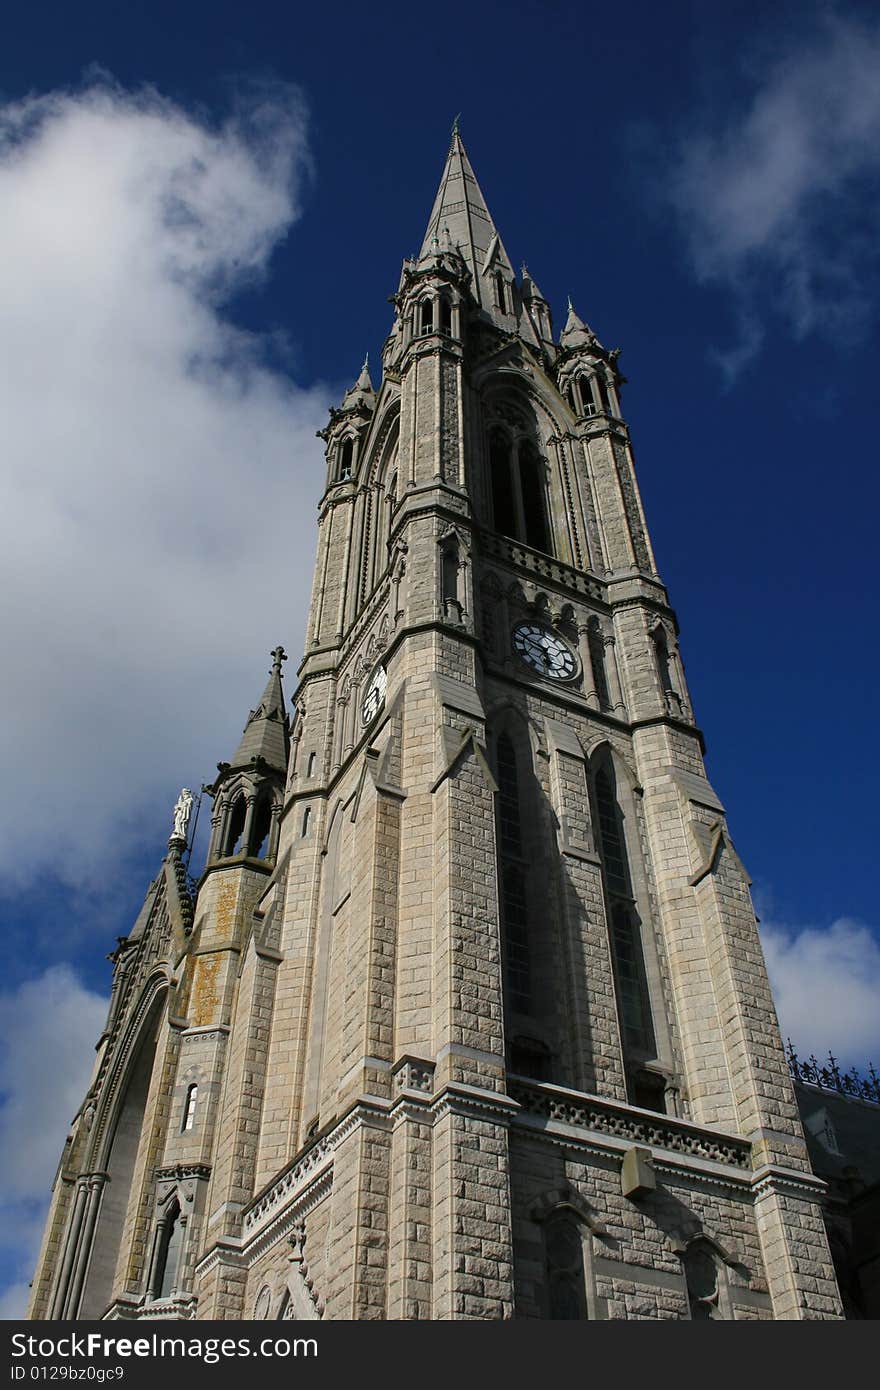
(248, 791)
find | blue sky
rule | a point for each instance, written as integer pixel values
(203, 210)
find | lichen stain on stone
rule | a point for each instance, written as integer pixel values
(206, 995)
(224, 920)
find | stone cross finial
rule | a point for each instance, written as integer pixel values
(278, 655)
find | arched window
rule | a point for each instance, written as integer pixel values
(168, 1250)
(452, 606)
(188, 1118)
(516, 472)
(426, 316)
(603, 393)
(121, 1166)
(512, 880)
(661, 657)
(445, 314)
(566, 1276)
(623, 919)
(588, 405)
(346, 457)
(260, 827)
(235, 828)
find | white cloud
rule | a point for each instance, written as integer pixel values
(826, 984)
(780, 203)
(48, 1030)
(158, 476)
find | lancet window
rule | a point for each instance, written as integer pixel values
(623, 918)
(512, 879)
(346, 458)
(189, 1108)
(168, 1251)
(518, 488)
(566, 1279)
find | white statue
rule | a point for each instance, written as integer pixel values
(182, 810)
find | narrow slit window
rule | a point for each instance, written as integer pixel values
(661, 656)
(450, 573)
(310, 771)
(501, 292)
(307, 816)
(189, 1108)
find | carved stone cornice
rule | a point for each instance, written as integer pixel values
(598, 1115)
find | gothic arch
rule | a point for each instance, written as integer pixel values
(502, 711)
(151, 1003)
(387, 439)
(704, 1265)
(568, 1226)
(632, 940)
(535, 995)
(383, 493)
(601, 746)
(118, 1135)
(517, 486)
(566, 1196)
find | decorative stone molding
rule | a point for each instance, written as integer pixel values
(179, 1309)
(660, 1131)
(414, 1074)
(536, 562)
(289, 1184)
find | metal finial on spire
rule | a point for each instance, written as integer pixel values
(455, 126)
(278, 655)
(570, 305)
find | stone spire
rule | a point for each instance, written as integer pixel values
(266, 731)
(460, 218)
(576, 333)
(530, 289)
(361, 395)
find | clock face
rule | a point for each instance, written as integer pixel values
(374, 695)
(546, 653)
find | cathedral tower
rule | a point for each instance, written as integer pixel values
(468, 1017)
